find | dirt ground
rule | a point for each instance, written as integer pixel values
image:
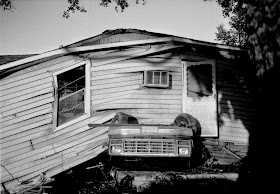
(159, 175)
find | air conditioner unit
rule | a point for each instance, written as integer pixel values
(156, 79)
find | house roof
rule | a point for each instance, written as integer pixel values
(10, 58)
(110, 39)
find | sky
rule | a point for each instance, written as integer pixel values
(37, 26)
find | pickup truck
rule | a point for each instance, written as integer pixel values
(129, 138)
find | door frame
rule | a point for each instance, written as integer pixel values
(214, 88)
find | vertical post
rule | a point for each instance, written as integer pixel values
(184, 86)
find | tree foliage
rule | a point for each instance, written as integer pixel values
(235, 11)
(6, 4)
(75, 5)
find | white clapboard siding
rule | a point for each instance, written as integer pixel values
(26, 102)
(80, 147)
(28, 96)
(20, 154)
(136, 69)
(152, 62)
(108, 77)
(137, 106)
(142, 91)
(63, 166)
(27, 92)
(35, 122)
(134, 96)
(117, 79)
(142, 101)
(27, 135)
(24, 81)
(16, 120)
(16, 90)
(116, 85)
(47, 66)
(38, 103)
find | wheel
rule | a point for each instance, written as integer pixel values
(123, 118)
(187, 120)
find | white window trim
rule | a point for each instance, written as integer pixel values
(156, 85)
(87, 95)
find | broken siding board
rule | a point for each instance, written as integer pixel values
(87, 133)
(51, 171)
(66, 137)
(36, 154)
(69, 137)
(96, 57)
(150, 51)
(30, 167)
(96, 118)
(136, 63)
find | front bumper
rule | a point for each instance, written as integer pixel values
(150, 147)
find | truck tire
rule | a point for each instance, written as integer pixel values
(123, 118)
(187, 120)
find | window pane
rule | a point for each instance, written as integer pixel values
(71, 81)
(149, 77)
(164, 78)
(71, 87)
(71, 107)
(156, 77)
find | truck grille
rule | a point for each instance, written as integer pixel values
(152, 146)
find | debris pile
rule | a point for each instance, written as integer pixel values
(101, 175)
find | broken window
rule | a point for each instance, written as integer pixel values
(71, 94)
(199, 80)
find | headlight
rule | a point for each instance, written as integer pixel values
(116, 149)
(184, 151)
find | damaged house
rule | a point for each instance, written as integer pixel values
(48, 100)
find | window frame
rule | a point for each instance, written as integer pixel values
(156, 85)
(87, 99)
